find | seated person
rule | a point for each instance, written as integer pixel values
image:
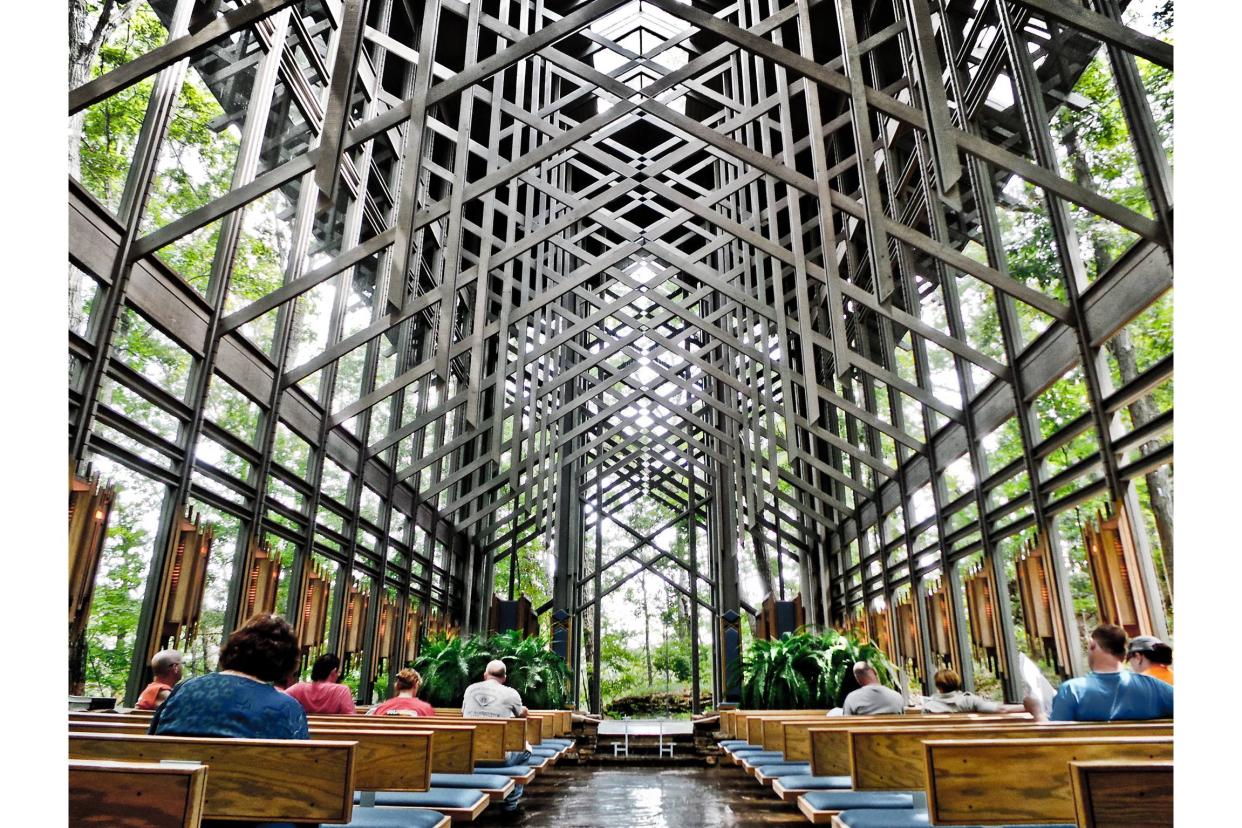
(166, 670)
(239, 701)
(951, 698)
(1151, 657)
(322, 694)
(1108, 693)
(871, 697)
(405, 703)
(491, 698)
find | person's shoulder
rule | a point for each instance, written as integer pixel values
(343, 691)
(1151, 683)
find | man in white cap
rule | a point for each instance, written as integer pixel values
(491, 698)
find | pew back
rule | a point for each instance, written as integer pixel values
(492, 736)
(106, 794)
(389, 760)
(456, 748)
(261, 780)
(826, 744)
(892, 759)
(1112, 794)
(451, 748)
(1015, 781)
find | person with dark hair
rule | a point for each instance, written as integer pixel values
(322, 694)
(406, 702)
(239, 701)
(1151, 657)
(1108, 693)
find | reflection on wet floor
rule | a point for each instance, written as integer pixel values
(570, 796)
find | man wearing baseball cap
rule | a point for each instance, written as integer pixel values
(1151, 657)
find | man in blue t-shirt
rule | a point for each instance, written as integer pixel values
(1109, 692)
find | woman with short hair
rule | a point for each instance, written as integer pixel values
(951, 698)
(239, 700)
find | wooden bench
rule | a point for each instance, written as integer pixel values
(827, 753)
(886, 759)
(258, 780)
(537, 725)
(106, 794)
(452, 746)
(1002, 781)
(732, 722)
(1113, 794)
(1019, 780)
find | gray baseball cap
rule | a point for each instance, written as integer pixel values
(1143, 644)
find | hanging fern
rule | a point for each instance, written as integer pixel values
(806, 670)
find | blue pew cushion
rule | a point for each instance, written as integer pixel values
(814, 783)
(845, 800)
(539, 750)
(782, 769)
(469, 780)
(510, 770)
(761, 757)
(393, 818)
(882, 818)
(434, 798)
(734, 743)
(562, 743)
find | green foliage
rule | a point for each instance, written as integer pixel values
(648, 705)
(805, 670)
(449, 665)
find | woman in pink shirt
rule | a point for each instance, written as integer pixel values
(322, 694)
(405, 703)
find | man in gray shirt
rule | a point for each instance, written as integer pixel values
(871, 697)
(490, 698)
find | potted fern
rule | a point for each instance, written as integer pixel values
(449, 665)
(806, 669)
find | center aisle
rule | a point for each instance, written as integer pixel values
(591, 796)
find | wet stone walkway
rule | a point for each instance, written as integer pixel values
(583, 796)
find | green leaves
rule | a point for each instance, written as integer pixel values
(449, 665)
(804, 670)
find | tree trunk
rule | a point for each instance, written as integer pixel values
(588, 646)
(1143, 410)
(77, 662)
(642, 581)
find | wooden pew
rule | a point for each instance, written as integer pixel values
(260, 780)
(488, 736)
(536, 727)
(453, 747)
(1113, 794)
(884, 759)
(889, 759)
(732, 721)
(829, 744)
(829, 752)
(106, 794)
(976, 781)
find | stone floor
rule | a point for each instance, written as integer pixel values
(580, 796)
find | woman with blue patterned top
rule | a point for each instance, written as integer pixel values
(239, 701)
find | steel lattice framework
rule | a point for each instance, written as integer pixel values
(582, 253)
